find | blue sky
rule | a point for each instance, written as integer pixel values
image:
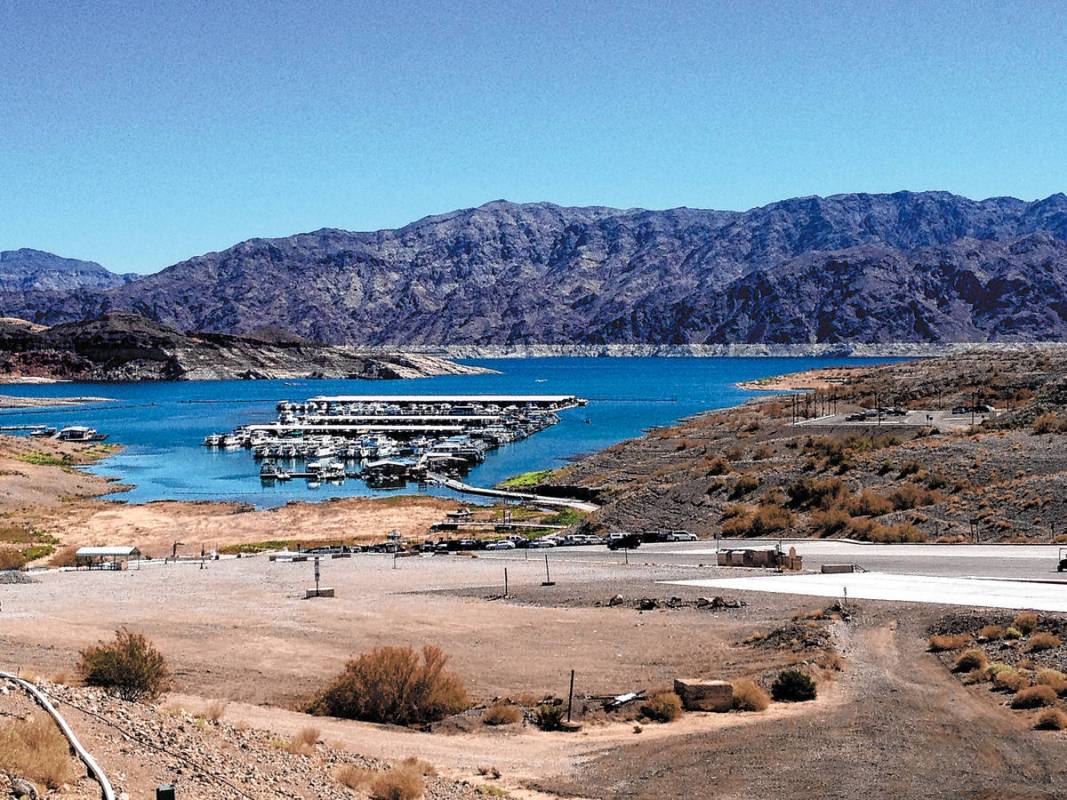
(140, 134)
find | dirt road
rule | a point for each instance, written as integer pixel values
(905, 729)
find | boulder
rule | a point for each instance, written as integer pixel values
(704, 695)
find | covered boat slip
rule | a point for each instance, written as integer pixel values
(546, 401)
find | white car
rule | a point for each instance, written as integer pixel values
(681, 536)
(503, 544)
(545, 542)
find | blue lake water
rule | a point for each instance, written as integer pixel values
(162, 425)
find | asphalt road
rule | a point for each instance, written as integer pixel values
(1016, 562)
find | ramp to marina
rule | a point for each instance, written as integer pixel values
(976, 592)
(555, 502)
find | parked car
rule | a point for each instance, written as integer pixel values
(681, 536)
(502, 544)
(624, 541)
(544, 541)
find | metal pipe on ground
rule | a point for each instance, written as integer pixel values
(108, 793)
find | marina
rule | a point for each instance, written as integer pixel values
(388, 441)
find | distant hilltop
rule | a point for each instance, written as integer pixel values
(853, 269)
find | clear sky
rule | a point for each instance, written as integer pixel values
(139, 134)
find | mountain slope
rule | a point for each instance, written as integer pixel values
(36, 270)
(866, 268)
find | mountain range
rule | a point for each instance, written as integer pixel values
(927, 267)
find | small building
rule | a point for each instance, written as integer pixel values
(115, 557)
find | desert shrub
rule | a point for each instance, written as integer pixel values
(402, 782)
(129, 667)
(761, 453)
(717, 466)
(970, 660)
(1025, 621)
(911, 496)
(831, 521)
(354, 777)
(394, 685)
(1043, 641)
(549, 716)
(909, 468)
(868, 504)
(1051, 719)
(1013, 633)
(1054, 679)
(302, 742)
(662, 707)
(502, 714)
(941, 642)
(10, 558)
(1010, 680)
(1034, 697)
(793, 686)
(63, 558)
(745, 484)
(811, 493)
(770, 519)
(750, 696)
(871, 531)
(1050, 423)
(991, 632)
(36, 750)
(734, 510)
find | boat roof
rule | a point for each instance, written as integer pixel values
(444, 398)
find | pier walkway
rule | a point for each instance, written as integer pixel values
(560, 502)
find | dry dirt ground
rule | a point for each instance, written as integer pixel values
(893, 723)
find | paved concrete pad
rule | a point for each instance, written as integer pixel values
(977, 592)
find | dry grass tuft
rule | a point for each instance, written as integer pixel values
(398, 783)
(662, 707)
(1043, 641)
(35, 750)
(1010, 680)
(1034, 697)
(1051, 719)
(424, 768)
(943, 643)
(213, 711)
(303, 742)
(1054, 679)
(356, 778)
(991, 632)
(394, 685)
(502, 714)
(1025, 621)
(750, 696)
(970, 660)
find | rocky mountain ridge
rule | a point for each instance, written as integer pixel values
(125, 347)
(928, 267)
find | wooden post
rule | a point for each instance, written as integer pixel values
(548, 576)
(505, 581)
(570, 697)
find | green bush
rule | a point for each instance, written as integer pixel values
(793, 686)
(549, 716)
(130, 667)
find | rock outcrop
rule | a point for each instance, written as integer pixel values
(125, 347)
